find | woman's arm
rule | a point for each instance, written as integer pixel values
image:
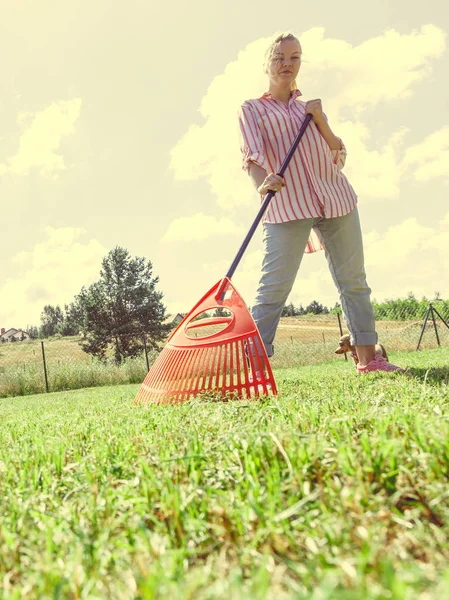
(253, 153)
(314, 108)
(263, 182)
(332, 140)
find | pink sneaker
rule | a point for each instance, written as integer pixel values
(379, 363)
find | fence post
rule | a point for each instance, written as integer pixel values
(341, 330)
(45, 366)
(146, 350)
(423, 327)
(438, 314)
(434, 324)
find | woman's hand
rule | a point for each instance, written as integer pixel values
(272, 183)
(314, 108)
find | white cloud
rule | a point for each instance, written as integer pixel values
(53, 272)
(199, 227)
(373, 173)
(408, 257)
(384, 68)
(349, 78)
(211, 151)
(445, 222)
(42, 133)
(429, 158)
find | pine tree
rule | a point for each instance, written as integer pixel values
(115, 311)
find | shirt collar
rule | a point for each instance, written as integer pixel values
(293, 94)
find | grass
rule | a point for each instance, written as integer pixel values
(337, 489)
(30, 379)
(30, 351)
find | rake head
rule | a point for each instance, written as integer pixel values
(216, 348)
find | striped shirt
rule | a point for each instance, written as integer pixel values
(314, 183)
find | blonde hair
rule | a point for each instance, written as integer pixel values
(272, 47)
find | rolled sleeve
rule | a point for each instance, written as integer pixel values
(251, 143)
(339, 156)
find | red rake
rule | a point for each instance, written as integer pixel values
(212, 353)
(223, 353)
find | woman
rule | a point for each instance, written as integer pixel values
(314, 207)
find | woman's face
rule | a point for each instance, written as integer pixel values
(285, 62)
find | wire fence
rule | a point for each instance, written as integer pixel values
(57, 364)
(313, 339)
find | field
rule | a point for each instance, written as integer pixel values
(303, 340)
(68, 367)
(337, 489)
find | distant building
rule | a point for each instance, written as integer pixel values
(178, 318)
(13, 335)
(175, 320)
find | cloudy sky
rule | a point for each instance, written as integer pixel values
(118, 126)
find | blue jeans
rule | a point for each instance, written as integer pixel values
(284, 245)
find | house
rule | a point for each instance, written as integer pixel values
(178, 318)
(174, 320)
(13, 335)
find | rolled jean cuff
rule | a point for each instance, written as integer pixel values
(364, 338)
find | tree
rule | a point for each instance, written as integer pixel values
(336, 309)
(289, 310)
(316, 308)
(401, 309)
(73, 318)
(51, 318)
(119, 307)
(32, 331)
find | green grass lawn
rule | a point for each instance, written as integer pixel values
(337, 489)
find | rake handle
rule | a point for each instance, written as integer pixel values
(267, 200)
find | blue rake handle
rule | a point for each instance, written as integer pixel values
(262, 209)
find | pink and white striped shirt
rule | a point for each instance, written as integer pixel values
(314, 183)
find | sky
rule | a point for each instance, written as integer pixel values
(118, 126)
